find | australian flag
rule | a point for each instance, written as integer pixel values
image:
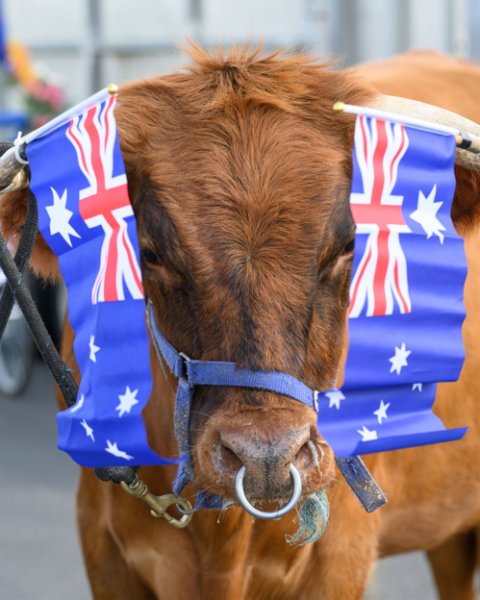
(86, 217)
(406, 293)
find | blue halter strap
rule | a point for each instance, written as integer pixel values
(191, 373)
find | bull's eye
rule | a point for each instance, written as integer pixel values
(149, 256)
(350, 247)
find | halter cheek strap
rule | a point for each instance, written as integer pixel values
(196, 372)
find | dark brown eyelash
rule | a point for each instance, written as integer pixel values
(350, 247)
(149, 256)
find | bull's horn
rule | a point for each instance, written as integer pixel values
(12, 170)
(427, 112)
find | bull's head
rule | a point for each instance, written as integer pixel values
(239, 173)
(240, 177)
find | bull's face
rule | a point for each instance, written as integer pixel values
(246, 241)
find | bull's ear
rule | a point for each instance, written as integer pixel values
(13, 209)
(466, 202)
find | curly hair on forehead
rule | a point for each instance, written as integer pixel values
(238, 77)
(284, 79)
(245, 75)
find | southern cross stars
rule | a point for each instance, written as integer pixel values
(88, 429)
(367, 435)
(60, 217)
(93, 349)
(113, 449)
(426, 214)
(127, 400)
(400, 359)
(382, 411)
(335, 397)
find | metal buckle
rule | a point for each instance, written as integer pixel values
(185, 356)
(184, 369)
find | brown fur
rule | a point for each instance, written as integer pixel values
(239, 173)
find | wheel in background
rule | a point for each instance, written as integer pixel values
(16, 354)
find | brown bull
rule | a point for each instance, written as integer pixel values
(239, 173)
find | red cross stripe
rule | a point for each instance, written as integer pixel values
(381, 276)
(106, 203)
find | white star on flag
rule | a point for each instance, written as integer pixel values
(382, 411)
(88, 429)
(60, 217)
(367, 436)
(426, 214)
(78, 405)
(335, 397)
(93, 349)
(417, 386)
(113, 449)
(127, 400)
(400, 359)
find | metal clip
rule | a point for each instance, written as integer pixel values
(159, 504)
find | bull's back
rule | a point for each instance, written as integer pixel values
(429, 77)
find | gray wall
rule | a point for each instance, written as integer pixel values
(90, 43)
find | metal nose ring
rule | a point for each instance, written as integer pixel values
(276, 514)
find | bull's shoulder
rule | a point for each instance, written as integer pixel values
(430, 77)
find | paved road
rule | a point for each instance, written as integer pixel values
(40, 557)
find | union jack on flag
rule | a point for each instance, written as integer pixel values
(380, 280)
(105, 202)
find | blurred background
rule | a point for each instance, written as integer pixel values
(55, 53)
(82, 45)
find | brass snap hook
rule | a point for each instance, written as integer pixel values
(159, 504)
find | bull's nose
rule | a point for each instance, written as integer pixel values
(266, 458)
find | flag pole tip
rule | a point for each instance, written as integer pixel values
(112, 88)
(339, 106)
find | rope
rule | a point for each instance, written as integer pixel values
(25, 247)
